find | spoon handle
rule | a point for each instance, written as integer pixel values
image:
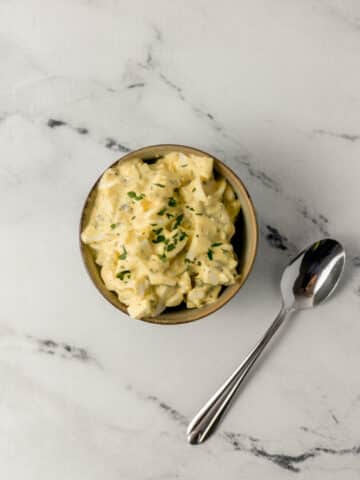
(210, 414)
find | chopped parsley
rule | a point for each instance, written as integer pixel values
(158, 230)
(187, 260)
(193, 190)
(136, 197)
(210, 254)
(162, 211)
(198, 213)
(162, 257)
(123, 274)
(159, 185)
(198, 263)
(124, 254)
(182, 235)
(172, 202)
(183, 166)
(178, 220)
(170, 247)
(190, 208)
(216, 244)
(159, 239)
(179, 236)
(113, 225)
(170, 215)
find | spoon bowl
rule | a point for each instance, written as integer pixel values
(312, 276)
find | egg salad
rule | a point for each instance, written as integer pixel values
(160, 231)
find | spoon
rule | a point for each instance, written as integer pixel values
(307, 281)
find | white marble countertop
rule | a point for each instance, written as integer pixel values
(272, 88)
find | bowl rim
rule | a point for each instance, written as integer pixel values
(195, 313)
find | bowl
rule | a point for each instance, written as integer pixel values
(245, 240)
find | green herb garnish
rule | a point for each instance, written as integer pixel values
(170, 247)
(217, 244)
(182, 236)
(159, 185)
(124, 254)
(123, 273)
(172, 202)
(190, 208)
(199, 263)
(113, 225)
(178, 220)
(162, 257)
(159, 239)
(193, 190)
(162, 211)
(198, 213)
(210, 254)
(136, 197)
(158, 230)
(170, 215)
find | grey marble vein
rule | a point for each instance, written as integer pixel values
(319, 220)
(170, 411)
(252, 445)
(342, 16)
(63, 349)
(116, 146)
(351, 137)
(10, 339)
(313, 431)
(109, 142)
(275, 239)
(55, 123)
(292, 463)
(57, 348)
(82, 130)
(136, 85)
(172, 85)
(259, 175)
(166, 408)
(153, 65)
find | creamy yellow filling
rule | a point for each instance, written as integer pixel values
(161, 232)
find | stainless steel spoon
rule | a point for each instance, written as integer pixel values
(307, 281)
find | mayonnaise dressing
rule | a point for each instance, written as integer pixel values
(161, 232)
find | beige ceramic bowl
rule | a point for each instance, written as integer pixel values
(245, 240)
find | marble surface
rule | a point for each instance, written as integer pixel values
(272, 88)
